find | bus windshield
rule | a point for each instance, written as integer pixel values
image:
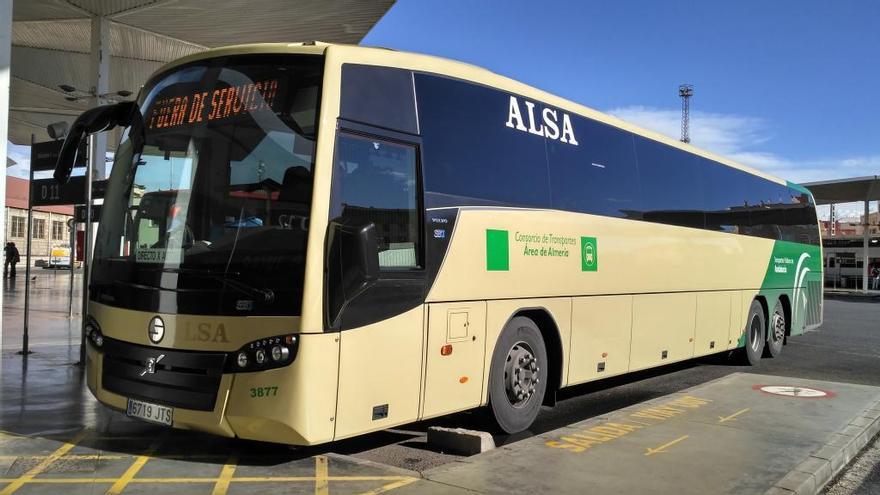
(211, 215)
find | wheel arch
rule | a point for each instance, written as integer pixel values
(552, 341)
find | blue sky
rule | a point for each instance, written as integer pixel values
(790, 87)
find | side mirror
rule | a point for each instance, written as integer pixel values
(97, 119)
(352, 264)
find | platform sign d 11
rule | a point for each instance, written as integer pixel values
(48, 192)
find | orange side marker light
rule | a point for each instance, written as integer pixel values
(463, 379)
(446, 350)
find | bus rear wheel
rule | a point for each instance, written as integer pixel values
(755, 335)
(518, 375)
(776, 331)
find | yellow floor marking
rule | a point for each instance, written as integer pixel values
(34, 471)
(72, 457)
(133, 470)
(245, 479)
(321, 485)
(390, 486)
(732, 417)
(222, 485)
(661, 449)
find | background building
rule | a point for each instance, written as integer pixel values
(50, 222)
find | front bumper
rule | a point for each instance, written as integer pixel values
(212, 421)
(293, 405)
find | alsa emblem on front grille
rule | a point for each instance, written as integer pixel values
(156, 330)
(151, 364)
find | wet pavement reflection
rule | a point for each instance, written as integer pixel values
(54, 436)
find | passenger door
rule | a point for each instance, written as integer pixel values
(376, 181)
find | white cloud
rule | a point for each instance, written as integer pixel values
(22, 156)
(740, 138)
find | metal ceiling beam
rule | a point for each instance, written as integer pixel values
(160, 35)
(77, 8)
(140, 8)
(47, 111)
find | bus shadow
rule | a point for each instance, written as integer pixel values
(582, 402)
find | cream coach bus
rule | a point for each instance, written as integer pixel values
(306, 242)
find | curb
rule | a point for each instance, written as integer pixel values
(810, 476)
(851, 297)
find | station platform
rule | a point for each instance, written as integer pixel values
(744, 433)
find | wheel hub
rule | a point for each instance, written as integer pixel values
(520, 374)
(755, 333)
(778, 327)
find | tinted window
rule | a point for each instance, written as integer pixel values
(222, 186)
(724, 196)
(470, 155)
(766, 208)
(380, 96)
(800, 218)
(375, 181)
(599, 175)
(671, 185)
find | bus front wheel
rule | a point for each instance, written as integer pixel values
(755, 335)
(518, 375)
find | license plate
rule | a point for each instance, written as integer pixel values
(153, 413)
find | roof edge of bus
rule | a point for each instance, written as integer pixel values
(305, 47)
(319, 47)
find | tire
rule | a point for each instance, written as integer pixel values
(519, 352)
(756, 330)
(775, 332)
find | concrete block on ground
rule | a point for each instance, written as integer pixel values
(459, 440)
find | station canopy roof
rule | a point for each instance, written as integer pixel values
(845, 190)
(51, 43)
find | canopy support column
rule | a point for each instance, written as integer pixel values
(99, 85)
(866, 237)
(5, 64)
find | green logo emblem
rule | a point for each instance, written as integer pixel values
(589, 254)
(497, 250)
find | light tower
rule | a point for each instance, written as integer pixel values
(685, 91)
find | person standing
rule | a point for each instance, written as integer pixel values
(875, 273)
(12, 257)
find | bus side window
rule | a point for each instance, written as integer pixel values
(376, 181)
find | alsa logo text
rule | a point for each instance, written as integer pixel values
(205, 332)
(547, 126)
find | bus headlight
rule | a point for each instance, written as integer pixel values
(280, 353)
(241, 360)
(264, 354)
(93, 333)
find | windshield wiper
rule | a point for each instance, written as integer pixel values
(267, 295)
